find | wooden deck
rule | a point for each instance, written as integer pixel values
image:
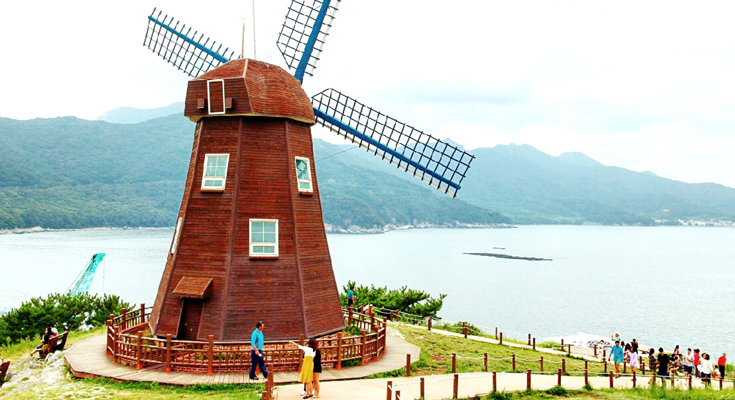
(87, 359)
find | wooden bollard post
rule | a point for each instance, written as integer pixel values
(542, 363)
(690, 382)
(534, 344)
(362, 347)
(495, 381)
(721, 381)
(514, 361)
(398, 315)
(529, 339)
(564, 365)
(595, 350)
(398, 395)
(586, 377)
(142, 312)
(139, 352)
(586, 365)
(643, 367)
(429, 324)
(391, 315)
(496, 333)
(168, 353)
(390, 388)
(611, 380)
(210, 356)
(673, 382)
(604, 363)
(501, 337)
(408, 365)
(562, 345)
(339, 350)
(625, 367)
(485, 361)
(269, 384)
(454, 363)
(604, 353)
(528, 379)
(422, 387)
(464, 329)
(633, 380)
(455, 393)
(558, 377)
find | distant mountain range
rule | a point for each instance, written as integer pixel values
(131, 115)
(72, 173)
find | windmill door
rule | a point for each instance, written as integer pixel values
(191, 315)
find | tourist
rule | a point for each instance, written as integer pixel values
(256, 352)
(697, 359)
(706, 368)
(616, 353)
(351, 296)
(633, 359)
(652, 363)
(721, 363)
(317, 365)
(307, 367)
(634, 345)
(45, 340)
(616, 337)
(674, 362)
(688, 363)
(663, 363)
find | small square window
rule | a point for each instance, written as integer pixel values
(215, 172)
(263, 238)
(303, 174)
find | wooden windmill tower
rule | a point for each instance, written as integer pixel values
(250, 243)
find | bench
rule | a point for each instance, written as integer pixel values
(55, 344)
(4, 371)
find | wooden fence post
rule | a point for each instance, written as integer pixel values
(210, 356)
(496, 333)
(586, 364)
(721, 381)
(586, 377)
(115, 349)
(362, 347)
(690, 382)
(604, 362)
(534, 344)
(485, 361)
(558, 377)
(595, 348)
(110, 339)
(564, 365)
(390, 388)
(456, 386)
(528, 379)
(514, 361)
(542, 363)
(429, 324)
(464, 329)
(349, 316)
(339, 351)
(270, 383)
(643, 367)
(529, 339)
(625, 367)
(454, 363)
(139, 352)
(422, 386)
(408, 365)
(611, 380)
(124, 318)
(633, 380)
(168, 353)
(501, 337)
(398, 395)
(142, 312)
(495, 381)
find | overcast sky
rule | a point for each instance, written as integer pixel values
(643, 85)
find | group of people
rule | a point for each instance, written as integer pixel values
(311, 368)
(666, 365)
(48, 334)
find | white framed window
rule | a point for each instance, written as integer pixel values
(215, 172)
(176, 235)
(263, 238)
(303, 174)
(216, 96)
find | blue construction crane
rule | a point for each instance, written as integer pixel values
(84, 280)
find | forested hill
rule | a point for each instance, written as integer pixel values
(72, 173)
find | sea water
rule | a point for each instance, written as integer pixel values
(661, 285)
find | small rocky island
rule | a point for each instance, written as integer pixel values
(496, 255)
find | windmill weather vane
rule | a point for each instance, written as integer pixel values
(250, 242)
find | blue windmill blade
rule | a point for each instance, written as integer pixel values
(181, 48)
(439, 163)
(303, 34)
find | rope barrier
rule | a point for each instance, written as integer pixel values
(406, 383)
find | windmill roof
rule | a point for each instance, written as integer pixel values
(251, 88)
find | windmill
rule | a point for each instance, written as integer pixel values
(249, 243)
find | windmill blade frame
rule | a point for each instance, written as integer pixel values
(432, 160)
(181, 48)
(301, 51)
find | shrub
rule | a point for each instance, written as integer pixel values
(404, 299)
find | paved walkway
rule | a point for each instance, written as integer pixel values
(87, 359)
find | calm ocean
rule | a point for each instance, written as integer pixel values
(661, 285)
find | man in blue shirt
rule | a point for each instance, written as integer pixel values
(351, 297)
(617, 355)
(256, 352)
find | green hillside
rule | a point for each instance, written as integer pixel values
(72, 173)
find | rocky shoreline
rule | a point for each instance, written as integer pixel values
(354, 229)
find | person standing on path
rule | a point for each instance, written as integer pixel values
(351, 297)
(633, 358)
(307, 367)
(697, 359)
(616, 353)
(721, 362)
(256, 352)
(663, 363)
(317, 365)
(706, 368)
(652, 363)
(688, 363)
